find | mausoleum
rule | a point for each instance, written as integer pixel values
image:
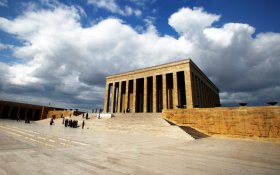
(179, 84)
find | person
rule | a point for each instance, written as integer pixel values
(83, 124)
(66, 123)
(87, 116)
(63, 120)
(75, 124)
(83, 115)
(51, 122)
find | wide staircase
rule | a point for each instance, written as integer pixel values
(138, 123)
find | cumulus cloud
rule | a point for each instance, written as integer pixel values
(67, 63)
(62, 57)
(191, 22)
(242, 66)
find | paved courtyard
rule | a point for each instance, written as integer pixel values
(39, 148)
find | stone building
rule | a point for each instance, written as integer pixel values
(10, 110)
(168, 86)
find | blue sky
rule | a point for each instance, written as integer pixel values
(60, 52)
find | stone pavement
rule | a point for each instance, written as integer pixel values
(39, 148)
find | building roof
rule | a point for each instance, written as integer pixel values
(151, 67)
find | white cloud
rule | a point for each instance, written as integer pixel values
(238, 62)
(190, 22)
(59, 50)
(110, 5)
(64, 60)
(113, 7)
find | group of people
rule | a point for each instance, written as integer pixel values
(71, 123)
(86, 115)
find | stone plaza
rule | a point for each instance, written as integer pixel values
(103, 148)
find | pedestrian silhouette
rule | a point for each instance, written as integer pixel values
(83, 124)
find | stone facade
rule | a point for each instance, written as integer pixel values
(239, 122)
(165, 86)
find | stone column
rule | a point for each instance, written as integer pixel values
(218, 98)
(175, 91)
(126, 94)
(164, 101)
(113, 98)
(42, 112)
(145, 95)
(106, 98)
(134, 97)
(199, 85)
(188, 87)
(120, 97)
(204, 94)
(154, 93)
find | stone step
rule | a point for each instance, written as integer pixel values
(139, 123)
(137, 114)
(134, 123)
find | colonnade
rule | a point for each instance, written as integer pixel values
(149, 93)
(11, 112)
(203, 95)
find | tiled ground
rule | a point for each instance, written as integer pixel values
(39, 148)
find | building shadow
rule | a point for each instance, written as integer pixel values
(191, 131)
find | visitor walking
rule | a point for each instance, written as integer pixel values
(87, 116)
(83, 124)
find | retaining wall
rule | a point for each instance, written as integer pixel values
(238, 122)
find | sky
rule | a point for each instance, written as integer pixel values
(58, 53)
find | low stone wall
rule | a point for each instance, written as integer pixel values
(60, 113)
(239, 122)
